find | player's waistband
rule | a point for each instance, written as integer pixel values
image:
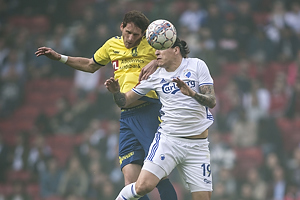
(127, 112)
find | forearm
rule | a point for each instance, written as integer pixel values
(82, 64)
(120, 99)
(205, 99)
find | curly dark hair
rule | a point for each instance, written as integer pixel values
(184, 49)
(138, 18)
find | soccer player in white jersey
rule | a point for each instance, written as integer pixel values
(185, 89)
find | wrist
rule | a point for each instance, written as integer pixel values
(63, 58)
(193, 94)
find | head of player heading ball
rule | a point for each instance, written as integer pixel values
(161, 34)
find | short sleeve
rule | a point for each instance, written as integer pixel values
(101, 56)
(143, 87)
(204, 76)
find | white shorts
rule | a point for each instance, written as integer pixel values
(190, 156)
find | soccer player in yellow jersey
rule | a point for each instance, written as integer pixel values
(139, 121)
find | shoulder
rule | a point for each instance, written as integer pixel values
(195, 63)
(114, 40)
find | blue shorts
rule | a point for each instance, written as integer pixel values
(137, 129)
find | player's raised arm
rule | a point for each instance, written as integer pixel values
(121, 99)
(206, 97)
(79, 63)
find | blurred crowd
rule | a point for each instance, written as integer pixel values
(68, 147)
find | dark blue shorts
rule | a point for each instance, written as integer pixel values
(137, 129)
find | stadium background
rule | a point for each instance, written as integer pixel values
(59, 127)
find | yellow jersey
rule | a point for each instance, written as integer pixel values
(127, 63)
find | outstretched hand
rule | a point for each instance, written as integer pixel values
(184, 88)
(112, 85)
(50, 53)
(148, 70)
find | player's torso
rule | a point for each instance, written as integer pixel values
(180, 111)
(127, 63)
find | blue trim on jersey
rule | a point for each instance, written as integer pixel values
(123, 197)
(208, 116)
(154, 147)
(205, 84)
(97, 62)
(137, 92)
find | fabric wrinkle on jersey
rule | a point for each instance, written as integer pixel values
(137, 126)
(194, 73)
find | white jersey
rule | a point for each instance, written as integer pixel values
(181, 114)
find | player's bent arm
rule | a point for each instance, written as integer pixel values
(125, 99)
(83, 64)
(206, 97)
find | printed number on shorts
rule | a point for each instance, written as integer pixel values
(206, 169)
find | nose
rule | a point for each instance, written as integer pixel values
(130, 37)
(157, 52)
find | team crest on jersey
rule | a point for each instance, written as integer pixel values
(162, 156)
(187, 73)
(134, 52)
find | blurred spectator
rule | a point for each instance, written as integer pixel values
(86, 83)
(279, 96)
(19, 192)
(13, 76)
(228, 44)
(193, 17)
(246, 192)
(97, 180)
(292, 192)
(63, 106)
(222, 155)
(294, 167)
(49, 179)
(276, 21)
(245, 23)
(42, 124)
(278, 185)
(74, 179)
(4, 159)
(4, 50)
(259, 48)
(229, 105)
(227, 179)
(258, 185)
(207, 51)
(270, 137)
(271, 161)
(292, 17)
(219, 192)
(293, 109)
(214, 21)
(294, 70)
(242, 77)
(287, 46)
(38, 154)
(20, 152)
(256, 102)
(93, 140)
(244, 131)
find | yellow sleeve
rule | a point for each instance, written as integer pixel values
(101, 56)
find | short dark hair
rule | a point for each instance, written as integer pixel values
(138, 18)
(184, 49)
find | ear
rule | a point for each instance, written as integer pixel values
(177, 50)
(121, 26)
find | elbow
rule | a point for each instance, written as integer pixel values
(213, 104)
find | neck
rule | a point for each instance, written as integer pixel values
(174, 65)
